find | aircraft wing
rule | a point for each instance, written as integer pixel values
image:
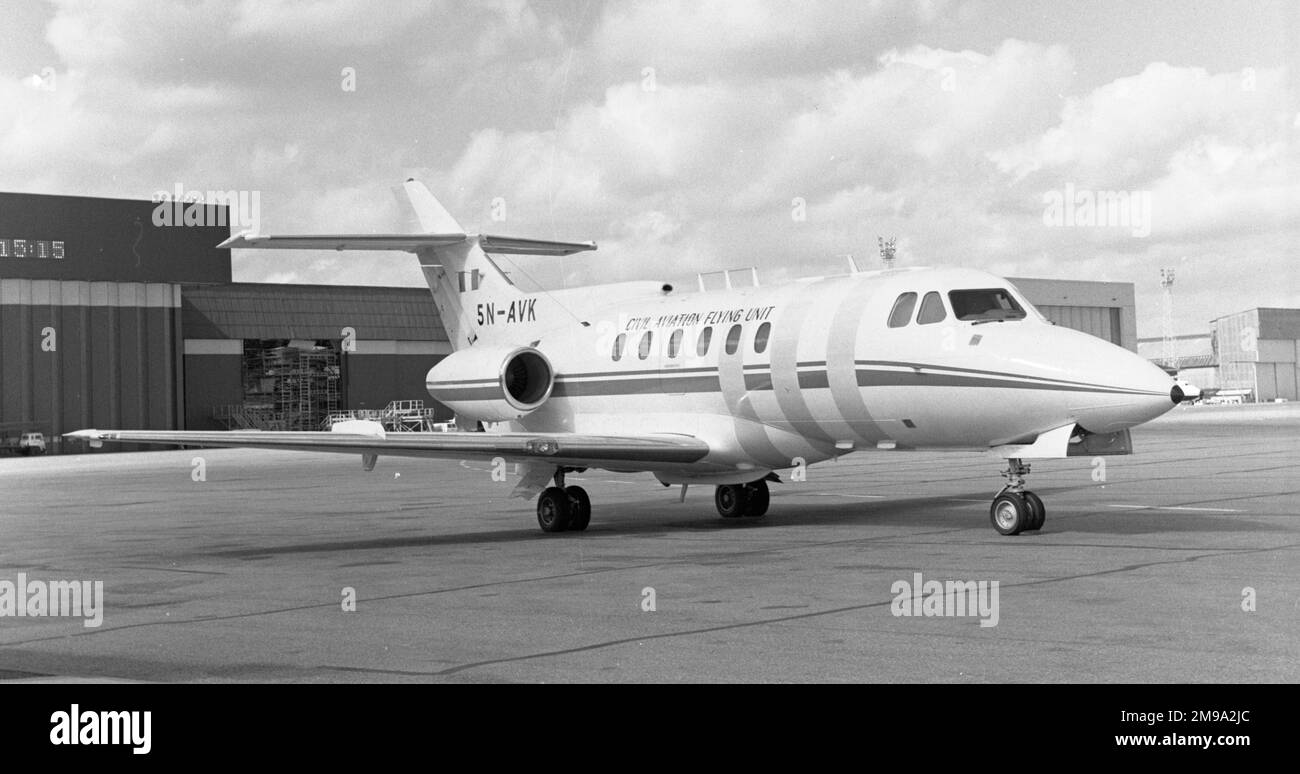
(569, 449)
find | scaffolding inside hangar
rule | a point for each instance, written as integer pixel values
(285, 387)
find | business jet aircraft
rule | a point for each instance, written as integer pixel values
(724, 388)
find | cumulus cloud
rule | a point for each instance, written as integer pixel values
(683, 136)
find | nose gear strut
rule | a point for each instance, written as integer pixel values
(1016, 509)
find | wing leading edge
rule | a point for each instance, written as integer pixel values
(558, 448)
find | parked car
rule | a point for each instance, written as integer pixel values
(25, 444)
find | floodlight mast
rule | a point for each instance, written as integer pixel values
(887, 250)
(1167, 284)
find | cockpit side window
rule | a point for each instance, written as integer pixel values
(932, 310)
(985, 304)
(902, 312)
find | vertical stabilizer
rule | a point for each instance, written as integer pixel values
(460, 276)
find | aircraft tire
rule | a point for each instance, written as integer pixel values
(554, 509)
(757, 498)
(581, 510)
(731, 501)
(1009, 513)
(1038, 511)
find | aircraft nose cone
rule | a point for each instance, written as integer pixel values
(1184, 392)
(1150, 393)
(1132, 389)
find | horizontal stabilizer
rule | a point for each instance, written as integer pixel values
(407, 242)
(517, 246)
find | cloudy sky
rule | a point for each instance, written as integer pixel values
(692, 136)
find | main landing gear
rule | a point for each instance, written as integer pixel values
(1016, 509)
(736, 500)
(561, 507)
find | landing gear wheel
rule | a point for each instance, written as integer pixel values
(1009, 513)
(1037, 511)
(731, 500)
(757, 498)
(581, 508)
(554, 509)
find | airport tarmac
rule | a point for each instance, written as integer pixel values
(1137, 578)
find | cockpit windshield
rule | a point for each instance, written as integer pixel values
(985, 305)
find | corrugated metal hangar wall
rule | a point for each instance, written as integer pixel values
(90, 296)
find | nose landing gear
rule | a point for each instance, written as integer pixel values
(1016, 509)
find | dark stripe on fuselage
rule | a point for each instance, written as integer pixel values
(669, 383)
(814, 380)
(454, 394)
(1046, 380)
(868, 377)
(461, 383)
(812, 376)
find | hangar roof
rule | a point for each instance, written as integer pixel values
(247, 310)
(1272, 322)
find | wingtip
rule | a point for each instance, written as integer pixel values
(243, 237)
(92, 437)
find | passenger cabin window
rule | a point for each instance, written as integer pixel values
(702, 345)
(675, 342)
(619, 341)
(985, 305)
(733, 339)
(931, 309)
(760, 338)
(902, 312)
(643, 351)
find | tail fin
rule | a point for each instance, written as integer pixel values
(467, 286)
(460, 276)
(434, 219)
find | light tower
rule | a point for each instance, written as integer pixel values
(1167, 284)
(887, 251)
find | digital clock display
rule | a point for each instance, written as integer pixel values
(31, 248)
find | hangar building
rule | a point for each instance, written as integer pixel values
(109, 320)
(1255, 353)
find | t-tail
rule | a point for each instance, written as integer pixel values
(457, 266)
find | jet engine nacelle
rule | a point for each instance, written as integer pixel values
(492, 384)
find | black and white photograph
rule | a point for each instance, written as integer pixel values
(660, 342)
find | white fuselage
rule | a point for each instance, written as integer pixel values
(832, 377)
